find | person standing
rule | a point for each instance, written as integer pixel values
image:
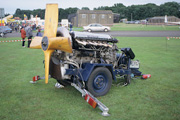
(29, 34)
(71, 26)
(23, 36)
(15, 28)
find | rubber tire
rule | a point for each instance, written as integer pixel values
(105, 30)
(100, 71)
(89, 30)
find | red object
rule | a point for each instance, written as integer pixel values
(35, 78)
(146, 76)
(23, 33)
(90, 101)
(2, 24)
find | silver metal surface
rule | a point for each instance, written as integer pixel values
(92, 35)
(58, 85)
(105, 113)
(79, 89)
(40, 78)
(101, 106)
(134, 64)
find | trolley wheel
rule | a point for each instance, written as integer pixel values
(99, 82)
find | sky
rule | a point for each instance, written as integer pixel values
(10, 6)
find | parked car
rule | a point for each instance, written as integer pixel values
(130, 22)
(96, 27)
(127, 22)
(2, 31)
(137, 22)
(8, 29)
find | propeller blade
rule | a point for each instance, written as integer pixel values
(47, 55)
(49, 45)
(50, 30)
(51, 20)
(60, 43)
(36, 43)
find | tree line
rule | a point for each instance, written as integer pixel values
(63, 13)
(139, 12)
(134, 12)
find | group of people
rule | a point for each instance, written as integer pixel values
(27, 32)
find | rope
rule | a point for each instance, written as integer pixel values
(12, 41)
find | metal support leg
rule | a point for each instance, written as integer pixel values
(100, 105)
(36, 78)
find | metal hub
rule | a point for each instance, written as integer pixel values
(45, 43)
(99, 83)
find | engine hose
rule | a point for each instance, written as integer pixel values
(117, 61)
(75, 64)
(68, 62)
(83, 86)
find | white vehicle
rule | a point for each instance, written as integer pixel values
(96, 27)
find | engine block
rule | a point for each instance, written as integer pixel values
(87, 48)
(92, 48)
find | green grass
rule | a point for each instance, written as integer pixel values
(77, 29)
(137, 27)
(157, 98)
(140, 27)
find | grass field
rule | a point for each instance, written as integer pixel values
(137, 27)
(140, 27)
(157, 98)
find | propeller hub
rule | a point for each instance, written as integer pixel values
(45, 43)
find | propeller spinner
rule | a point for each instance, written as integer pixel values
(49, 42)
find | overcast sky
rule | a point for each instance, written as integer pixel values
(10, 6)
